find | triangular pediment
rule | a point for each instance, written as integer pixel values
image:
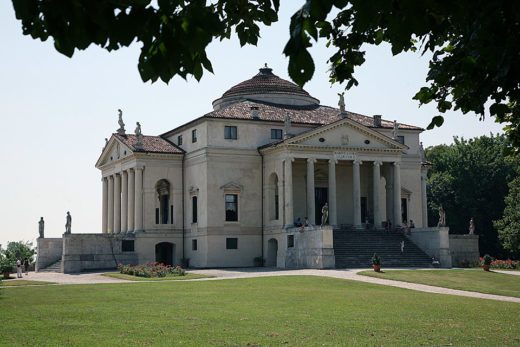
(114, 150)
(345, 133)
(231, 186)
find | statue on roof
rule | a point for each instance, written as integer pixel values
(139, 136)
(287, 125)
(341, 102)
(421, 153)
(394, 130)
(121, 130)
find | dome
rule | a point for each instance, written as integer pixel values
(266, 86)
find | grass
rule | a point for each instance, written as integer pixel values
(293, 311)
(18, 283)
(475, 280)
(188, 276)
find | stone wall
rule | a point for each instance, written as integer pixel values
(464, 249)
(49, 251)
(313, 248)
(83, 252)
(435, 242)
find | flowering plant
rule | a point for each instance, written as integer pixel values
(151, 269)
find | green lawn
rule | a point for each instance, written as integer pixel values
(121, 276)
(475, 280)
(293, 311)
(18, 283)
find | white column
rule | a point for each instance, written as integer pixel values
(310, 191)
(288, 193)
(376, 190)
(138, 199)
(110, 201)
(104, 211)
(124, 201)
(117, 203)
(333, 219)
(397, 194)
(356, 193)
(131, 200)
(424, 199)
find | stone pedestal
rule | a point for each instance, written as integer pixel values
(313, 248)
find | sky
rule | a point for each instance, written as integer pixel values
(55, 112)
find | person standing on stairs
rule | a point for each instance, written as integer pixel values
(402, 247)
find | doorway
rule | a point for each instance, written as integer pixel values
(272, 252)
(164, 253)
(321, 196)
(404, 211)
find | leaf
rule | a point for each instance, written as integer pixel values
(301, 67)
(437, 121)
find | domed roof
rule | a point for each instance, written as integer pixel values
(266, 86)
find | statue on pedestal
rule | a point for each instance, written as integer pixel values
(287, 126)
(471, 226)
(324, 214)
(68, 223)
(121, 130)
(442, 217)
(41, 227)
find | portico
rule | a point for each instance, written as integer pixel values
(356, 171)
(123, 201)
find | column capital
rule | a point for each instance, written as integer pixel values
(311, 160)
(289, 159)
(140, 168)
(396, 163)
(378, 163)
(357, 162)
(333, 160)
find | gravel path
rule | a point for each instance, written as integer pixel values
(222, 274)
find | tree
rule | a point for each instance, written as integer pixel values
(475, 43)
(470, 179)
(20, 250)
(508, 226)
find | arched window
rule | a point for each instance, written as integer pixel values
(163, 195)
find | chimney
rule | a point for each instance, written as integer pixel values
(377, 120)
(255, 113)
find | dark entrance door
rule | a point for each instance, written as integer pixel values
(321, 196)
(404, 211)
(164, 253)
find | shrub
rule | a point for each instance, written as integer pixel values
(486, 260)
(465, 263)
(376, 260)
(6, 264)
(151, 270)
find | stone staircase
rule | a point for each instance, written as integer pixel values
(55, 267)
(355, 248)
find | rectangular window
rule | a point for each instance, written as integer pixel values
(179, 140)
(194, 209)
(231, 207)
(127, 245)
(290, 241)
(400, 139)
(276, 134)
(231, 243)
(194, 245)
(230, 132)
(194, 135)
(276, 207)
(157, 215)
(171, 214)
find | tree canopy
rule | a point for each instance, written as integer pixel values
(508, 226)
(475, 43)
(470, 180)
